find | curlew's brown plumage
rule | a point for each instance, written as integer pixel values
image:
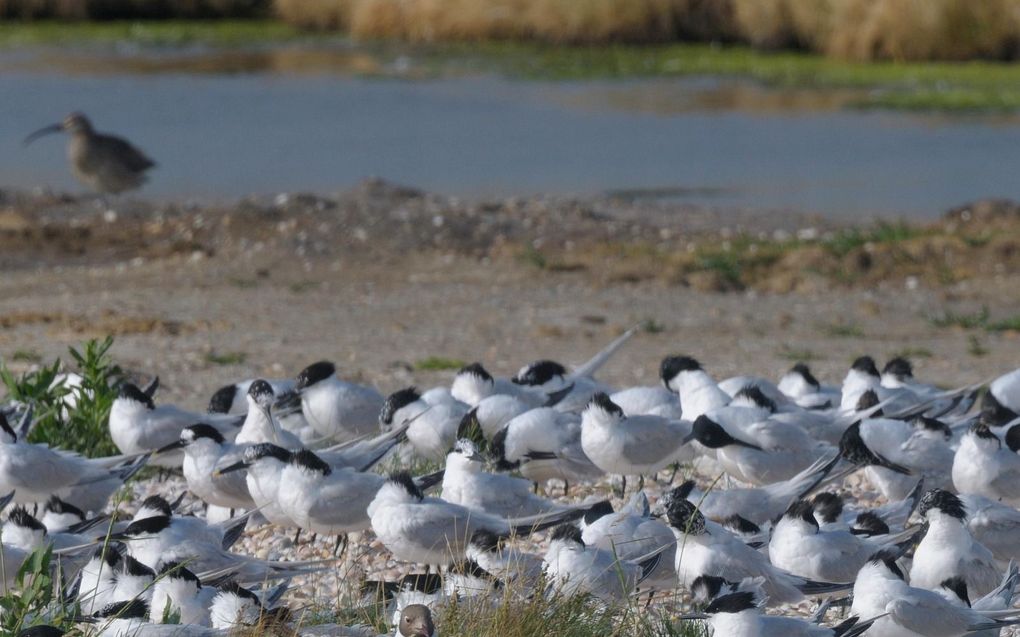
(105, 163)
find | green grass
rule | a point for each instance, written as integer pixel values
(796, 354)
(438, 364)
(942, 86)
(226, 358)
(913, 352)
(975, 347)
(26, 356)
(153, 32)
(1011, 324)
(964, 320)
(843, 330)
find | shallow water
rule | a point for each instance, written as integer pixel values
(248, 123)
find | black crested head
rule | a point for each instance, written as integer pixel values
(943, 501)
(130, 391)
(266, 450)
(233, 588)
(705, 588)
(157, 503)
(993, 412)
(223, 400)
(888, 558)
(314, 373)
(147, 526)
(42, 630)
(484, 540)
(868, 523)
(131, 609)
(805, 373)
(868, 400)
(684, 516)
(757, 396)
(56, 505)
(899, 367)
(404, 479)
(828, 506)
(933, 424)
(110, 556)
(732, 603)
(397, 401)
(865, 365)
(133, 567)
(309, 460)
(603, 402)
(981, 430)
(741, 525)
(498, 450)
(176, 570)
(597, 511)
(539, 373)
(802, 510)
(1013, 438)
(262, 392)
(683, 491)
(204, 430)
(6, 426)
(711, 434)
(20, 516)
(673, 365)
(476, 369)
(568, 533)
(958, 586)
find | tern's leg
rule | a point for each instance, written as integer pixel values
(641, 482)
(297, 536)
(314, 535)
(676, 469)
(534, 486)
(341, 538)
(623, 486)
(566, 488)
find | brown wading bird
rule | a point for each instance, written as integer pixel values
(105, 163)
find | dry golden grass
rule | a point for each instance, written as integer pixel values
(855, 29)
(130, 9)
(925, 29)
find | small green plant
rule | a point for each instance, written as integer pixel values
(26, 356)
(533, 256)
(975, 347)
(913, 352)
(843, 330)
(32, 599)
(797, 354)
(438, 364)
(967, 321)
(226, 358)
(1011, 324)
(651, 326)
(83, 428)
(43, 389)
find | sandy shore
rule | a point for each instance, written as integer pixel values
(383, 279)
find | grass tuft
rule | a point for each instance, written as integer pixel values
(438, 364)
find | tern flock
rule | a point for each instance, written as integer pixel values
(924, 544)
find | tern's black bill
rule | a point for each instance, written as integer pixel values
(237, 466)
(173, 446)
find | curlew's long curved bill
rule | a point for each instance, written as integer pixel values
(55, 128)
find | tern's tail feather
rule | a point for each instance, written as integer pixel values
(804, 482)
(1003, 594)
(811, 587)
(429, 480)
(852, 627)
(598, 360)
(535, 523)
